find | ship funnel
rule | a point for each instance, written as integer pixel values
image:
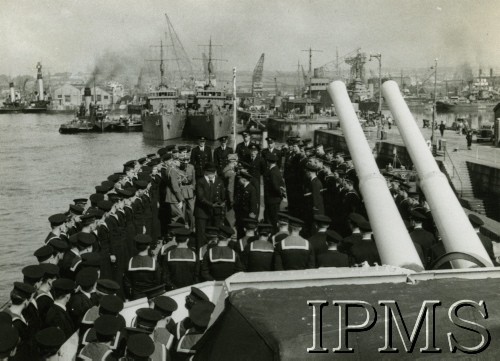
(88, 99)
(491, 72)
(12, 93)
(453, 225)
(40, 81)
(394, 244)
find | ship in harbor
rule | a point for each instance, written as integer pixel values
(40, 103)
(13, 103)
(165, 114)
(210, 114)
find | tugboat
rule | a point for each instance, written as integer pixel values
(12, 104)
(39, 105)
(164, 116)
(210, 113)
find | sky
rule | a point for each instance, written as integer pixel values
(69, 35)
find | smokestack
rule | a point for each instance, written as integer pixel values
(40, 81)
(480, 72)
(491, 72)
(12, 94)
(88, 95)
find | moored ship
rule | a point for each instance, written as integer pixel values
(13, 104)
(40, 104)
(210, 115)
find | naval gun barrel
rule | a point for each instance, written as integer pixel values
(393, 242)
(453, 225)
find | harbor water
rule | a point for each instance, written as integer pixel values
(42, 171)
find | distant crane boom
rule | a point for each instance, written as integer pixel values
(257, 77)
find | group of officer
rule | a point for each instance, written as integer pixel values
(167, 222)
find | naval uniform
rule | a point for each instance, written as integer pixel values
(318, 243)
(293, 253)
(256, 167)
(219, 263)
(365, 250)
(185, 347)
(220, 158)
(242, 149)
(425, 239)
(95, 351)
(70, 264)
(57, 316)
(245, 203)
(179, 267)
(274, 151)
(332, 258)
(143, 274)
(78, 305)
(44, 301)
(200, 157)
(258, 256)
(273, 185)
(313, 203)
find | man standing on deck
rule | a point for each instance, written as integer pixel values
(294, 252)
(245, 203)
(173, 194)
(242, 149)
(274, 189)
(221, 154)
(209, 206)
(271, 149)
(200, 156)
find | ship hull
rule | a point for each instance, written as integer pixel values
(163, 126)
(211, 126)
(444, 107)
(35, 110)
(10, 110)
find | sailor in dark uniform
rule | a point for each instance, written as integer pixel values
(294, 252)
(33, 276)
(250, 226)
(354, 219)
(195, 296)
(274, 190)
(242, 149)
(220, 155)
(271, 149)
(48, 342)
(44, 298)
(258, 254)
(20, 297)
(318, 239)
(477, 222)
(245, 203)
(179, 264)
(10, 341)
(56, 223)
(58, 315)
(212, 234)
(422, 237)
(283, 231)
(200, 317)
(143, 272)
(351, 201)
(147, 320)
(221, 261)
(139, 347)
(366, 249)
(200, 156)
(69, 265)
(108, 305)
(165, 328)
(106, 331)
(332, 257)
(82, 300)
(256, 167)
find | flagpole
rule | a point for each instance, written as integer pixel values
(234, 108)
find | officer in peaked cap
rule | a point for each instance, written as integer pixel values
(332, 257)
(106, 287)
(147, 319)
(165, 306)
(274, 189)
(200, 156)
(246, 203)
(242, 148)
(271, 149)
(49, 341)
(476, 223)
(195, 296)
(221, 154)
